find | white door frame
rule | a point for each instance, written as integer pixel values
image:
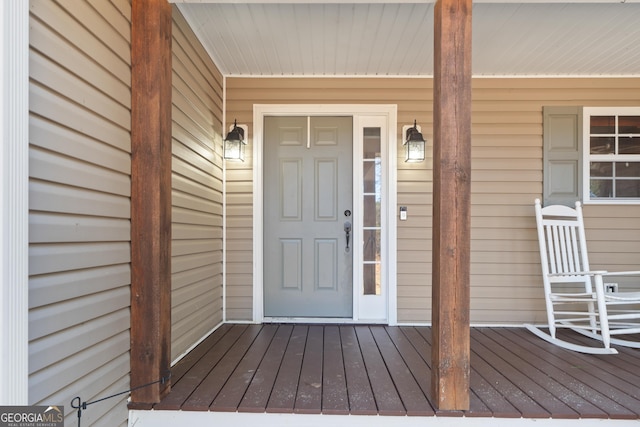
(389, 252)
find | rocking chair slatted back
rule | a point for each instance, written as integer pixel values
(562, 244)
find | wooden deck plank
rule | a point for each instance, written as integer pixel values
(335, 399)
(387, 399)
(201, 350)
(209, 388)
(420, 338)
(381, 370)
(623, 366)
(416, 364)
(181, 391)
(361, 400)
(257, 395)
(490, 398)
(617, 379)
(477, 408)
(600, 374)
(309, 396)
(234, 389)
(522, 375)
(283, 395)
(595, 390)
(527, 407)
(413, 398)
(538, 370)
(577, 365)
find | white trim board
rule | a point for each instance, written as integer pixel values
(14, 203)
(138, 418)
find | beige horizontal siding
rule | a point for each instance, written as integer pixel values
(56, 197)
(506, 178)
(196, 250)
(504, 243)
(79, 189)
(613, 236)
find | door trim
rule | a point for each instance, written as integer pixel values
(354, 110)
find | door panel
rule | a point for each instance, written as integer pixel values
(290, 193)
(308, 186)
(326, 189)
(291, 263)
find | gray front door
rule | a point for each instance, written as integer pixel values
(307, 206)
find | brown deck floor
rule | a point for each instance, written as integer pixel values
(337, 369)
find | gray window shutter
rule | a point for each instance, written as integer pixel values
(562, 157)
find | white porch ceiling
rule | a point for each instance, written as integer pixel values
(394, 38)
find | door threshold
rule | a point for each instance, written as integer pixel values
(325, 320)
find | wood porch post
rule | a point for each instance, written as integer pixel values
(451, 204)
(150, 198)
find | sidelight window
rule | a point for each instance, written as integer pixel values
(372, 202)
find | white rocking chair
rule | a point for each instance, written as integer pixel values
(576, 297)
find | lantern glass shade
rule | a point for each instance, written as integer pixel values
(414, 151)
(234, 149)
(234, 144)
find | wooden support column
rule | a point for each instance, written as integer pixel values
(451, 204)
(150, 199)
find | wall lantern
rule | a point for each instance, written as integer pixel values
(414, 143)
(234, 143)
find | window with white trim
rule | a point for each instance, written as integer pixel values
(611, 154)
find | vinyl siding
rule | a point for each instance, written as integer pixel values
(79, 202)
(506, 178)
(196, 249)
(239, 229)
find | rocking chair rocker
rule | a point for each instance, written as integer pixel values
(576, 297)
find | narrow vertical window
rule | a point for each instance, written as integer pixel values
(372, 202)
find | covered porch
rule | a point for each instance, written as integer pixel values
(359, 371)
(392, 383)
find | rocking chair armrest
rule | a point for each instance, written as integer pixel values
(583, 273)
(620, 273)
